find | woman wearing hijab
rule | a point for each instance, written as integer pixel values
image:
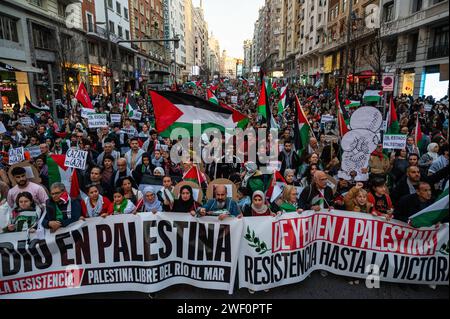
(151, 202)
(159, 171)
(186, 203)
(258, 207)
(427, 159)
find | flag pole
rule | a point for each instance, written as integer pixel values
(309, 125)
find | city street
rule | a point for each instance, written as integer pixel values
(316, 287)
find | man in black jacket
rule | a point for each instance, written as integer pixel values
(288, 158)
(318, 195)
(410, 205)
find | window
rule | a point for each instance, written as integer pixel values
(110, 4)
(111, 27)
(67, 43)
(125, 13)
(42, 37)
(119, 31)
(90, 22)
(61, 9)
(391, 52)
(8, 29)
(127, 35)
(388, 12)
(92, 49)
(417, 5)
(118, 9)
(36, 2)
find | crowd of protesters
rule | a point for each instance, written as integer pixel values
(125, 156)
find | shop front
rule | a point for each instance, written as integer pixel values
(100, 77)
(407, 79)
(14, 83)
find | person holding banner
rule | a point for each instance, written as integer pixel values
(121, 205)
(288, 203)
(259, 207)
(380, 199)
(61, 210)
(221, 206)
(96, 204)
(151, 201)
(318, 195)
(132, 194)
(25, 215)
(186, 203)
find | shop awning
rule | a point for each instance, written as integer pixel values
(18, 66)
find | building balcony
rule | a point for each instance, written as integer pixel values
(437, 52)
(420, 18)
(411, 56)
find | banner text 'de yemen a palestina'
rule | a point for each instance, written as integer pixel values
(143, 253)
(282, 251)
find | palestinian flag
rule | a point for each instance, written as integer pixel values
(57, 172)
(434, 214)
(276, 180)
(194, 175)
(283, 99)
(34, 109)
(175, 110)
(192, 84)
(352, 104)
(244, 81)
(213, 88)
(371, 96)
(393, 124)
(301, 129)
(262, 106)
(343, 125)
(131, 106)
(419, 133)
(211, 97)
(75, 190)
(239, 118)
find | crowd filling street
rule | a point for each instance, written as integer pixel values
(129, 167)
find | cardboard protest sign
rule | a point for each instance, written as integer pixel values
(97, 120)
(34, 151)
(76, 159)
(26, 121)
(234, 99)
(86, 112)
(326, 119)
(116, 118)
(137, 116)
(231, 188)
(198, 192)
(16, 155)
(394, 142)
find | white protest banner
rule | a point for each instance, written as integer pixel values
(86, 112)
(234, 99)
(16, 155)
(116, 118)
(144, 253)
(34, 151)
(394, 142)
(223, 94)
(136, 116)
(76, 159)
(97, 120)
(285, 250)
(26, 121)
(327, 119)
(252, 94)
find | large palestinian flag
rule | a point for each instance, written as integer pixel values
(393, 125)
(371, 96)
(434, 214)
(282, 102)
(175, 110)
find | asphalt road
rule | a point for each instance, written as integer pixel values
(316, 287)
